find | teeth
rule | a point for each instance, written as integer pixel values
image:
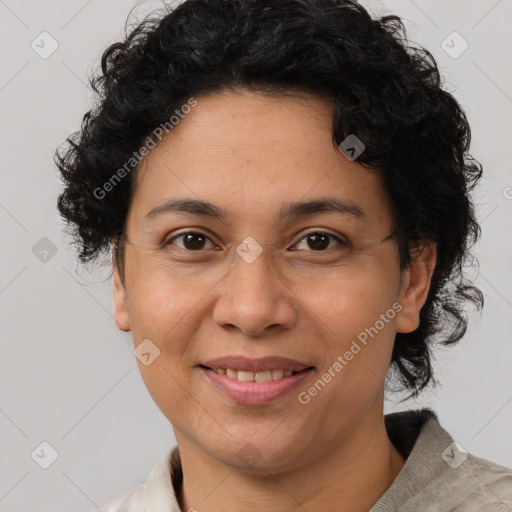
(232, 374)
(263, 376)
(277, 374)
(243, 376)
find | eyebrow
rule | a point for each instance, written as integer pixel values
(288, 210)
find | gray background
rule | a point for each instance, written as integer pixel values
(69, 377)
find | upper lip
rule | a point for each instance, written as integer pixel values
(248, 364)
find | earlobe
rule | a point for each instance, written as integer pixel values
(121, 316)
(416, 282)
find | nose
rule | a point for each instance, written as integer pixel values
(253, 298)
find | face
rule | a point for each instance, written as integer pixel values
(307, 299)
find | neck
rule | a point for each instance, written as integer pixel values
(350, 476)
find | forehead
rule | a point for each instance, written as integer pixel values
(254, 155)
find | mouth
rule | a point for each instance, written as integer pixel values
(260, 386)
(259, 376)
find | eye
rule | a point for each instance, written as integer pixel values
(191, 240)
(319, 241)
(195, 241)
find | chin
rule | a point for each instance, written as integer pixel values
(257, 455)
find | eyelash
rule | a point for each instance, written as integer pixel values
(168, 241)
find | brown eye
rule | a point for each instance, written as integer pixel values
(191, 241)
(319, 241)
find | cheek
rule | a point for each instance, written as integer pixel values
(161, 309)
(169, 388)
(357, 321)
(167, 316)
(351, 305)
(359, 341)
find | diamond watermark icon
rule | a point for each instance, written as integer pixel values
(249, 454)
(44, 455)
(44, 250)
(352, 147)
(454, 455)
(44, 45)
(454, 45)
(146, 352)
(249, 249)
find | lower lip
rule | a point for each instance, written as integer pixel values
(255, 393)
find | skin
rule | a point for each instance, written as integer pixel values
(249, 153)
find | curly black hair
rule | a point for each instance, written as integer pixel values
(383, 88)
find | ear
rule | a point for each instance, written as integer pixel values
(120, 310)
(415, 287)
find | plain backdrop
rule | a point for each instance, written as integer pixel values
(69, 378)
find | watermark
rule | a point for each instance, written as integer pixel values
(454, 45)
(146, 352)
(352, 147)
(507, 192)
(44, 45)
(44, 455)
(304, 397)
(134, 160)
(44, 250)
(249, 454)
(249, 249)
(454, 455)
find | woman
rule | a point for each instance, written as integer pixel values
(285, 188)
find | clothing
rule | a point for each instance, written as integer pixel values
(437, 476)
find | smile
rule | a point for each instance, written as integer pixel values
(263, 376)
(254, 388)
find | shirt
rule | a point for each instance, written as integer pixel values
(438, 475)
